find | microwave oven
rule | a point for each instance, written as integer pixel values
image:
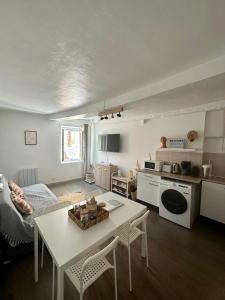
(154, 165)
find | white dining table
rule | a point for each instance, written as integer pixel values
(67, 243)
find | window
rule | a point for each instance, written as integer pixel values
(71, 144)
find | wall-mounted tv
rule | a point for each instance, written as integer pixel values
(109, 142)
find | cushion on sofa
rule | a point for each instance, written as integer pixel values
(15, 188)
(21, 204)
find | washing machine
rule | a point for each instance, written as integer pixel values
(179, 202)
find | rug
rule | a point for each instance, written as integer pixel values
(72, 197)
(77, 197)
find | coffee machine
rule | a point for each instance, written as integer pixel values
(185, 168)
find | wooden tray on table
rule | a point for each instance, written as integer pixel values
(102, 214)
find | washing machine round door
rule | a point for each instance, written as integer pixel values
(174, 201)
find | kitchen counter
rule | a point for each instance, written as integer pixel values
(191, 179)
(215, 179)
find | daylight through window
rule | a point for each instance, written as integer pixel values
(71, 144)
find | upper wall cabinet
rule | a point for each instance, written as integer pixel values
(214, 124)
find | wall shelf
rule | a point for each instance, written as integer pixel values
(180, 150)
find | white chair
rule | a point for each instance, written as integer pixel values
(129, 233)
(87, 270)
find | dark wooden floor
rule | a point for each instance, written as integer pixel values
(184, 264)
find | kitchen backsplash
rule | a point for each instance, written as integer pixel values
(197, 159)
(218, 163)
(178, 156)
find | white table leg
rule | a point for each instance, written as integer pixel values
(60, 284)
(143, 241)
(35, 253)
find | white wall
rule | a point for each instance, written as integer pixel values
(15, 155)
(138, 140)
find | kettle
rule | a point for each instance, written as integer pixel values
(175, 168)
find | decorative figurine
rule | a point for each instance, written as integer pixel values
(93, 212)
(100, 205)
(92, 201)
(84, 217)
(192, 135)
(163, 141)
(138, 165)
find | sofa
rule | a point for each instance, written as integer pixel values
(16, 229)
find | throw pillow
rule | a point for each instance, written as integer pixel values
(21, 204)
(15, 188)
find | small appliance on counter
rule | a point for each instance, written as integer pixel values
(206, 170)
(185, 168)
(195, 171)
(167, 167)
(154, 165)
(175, 168)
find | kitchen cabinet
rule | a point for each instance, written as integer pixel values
(213, 201)
(148, 188)
(103, 175)
(214, 123)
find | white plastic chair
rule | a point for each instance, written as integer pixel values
(87, 270)
(129, 233)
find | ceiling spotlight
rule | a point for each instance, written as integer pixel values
(110, 113)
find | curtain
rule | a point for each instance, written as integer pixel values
(85, 149)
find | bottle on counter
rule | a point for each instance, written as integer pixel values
(210, 168)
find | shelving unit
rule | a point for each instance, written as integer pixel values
(121, 185)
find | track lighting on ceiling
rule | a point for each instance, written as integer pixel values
(110, 111)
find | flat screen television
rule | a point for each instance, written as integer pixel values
(109, 142)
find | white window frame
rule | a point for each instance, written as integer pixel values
(62, 144)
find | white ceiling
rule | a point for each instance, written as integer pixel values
(203, 95)
(56, 55)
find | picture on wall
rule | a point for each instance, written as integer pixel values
(30, 137)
